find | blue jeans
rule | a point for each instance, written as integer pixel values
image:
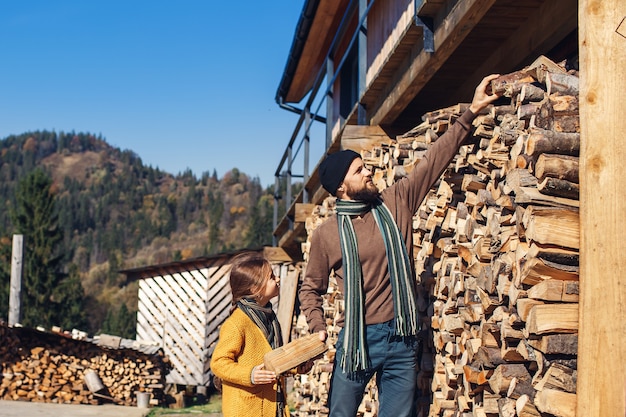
(393, 361)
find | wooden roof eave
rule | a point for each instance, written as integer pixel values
(310, 48)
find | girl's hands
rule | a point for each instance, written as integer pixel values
(262, 376)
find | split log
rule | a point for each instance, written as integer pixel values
(553, 318)
(504, 374)
(555, 290)
(552, 226)
(554, 344)
(557, 403)
(294, 353)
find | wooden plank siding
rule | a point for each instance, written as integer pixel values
(175, 318)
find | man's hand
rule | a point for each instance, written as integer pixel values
(322, 334)
(481, 98)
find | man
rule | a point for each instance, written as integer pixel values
(368, 245)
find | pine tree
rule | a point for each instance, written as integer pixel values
(35, 216)
(259, 230)
(5, 276)
(70, 299)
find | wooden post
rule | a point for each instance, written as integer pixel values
(15, 293)
(602, 337)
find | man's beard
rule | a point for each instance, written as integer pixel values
(367, 194)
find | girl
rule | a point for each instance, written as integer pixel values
(246, 336)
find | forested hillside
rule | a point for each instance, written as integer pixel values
(112, 212)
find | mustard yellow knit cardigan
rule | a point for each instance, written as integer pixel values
(240, 347)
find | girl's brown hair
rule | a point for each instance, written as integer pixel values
(248, 275)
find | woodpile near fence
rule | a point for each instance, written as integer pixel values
(496, 245)
(47, 367)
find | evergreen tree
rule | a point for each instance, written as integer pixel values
(121, 323)
(70, 298)
(5, 276)
(35, 217)
(259, 230)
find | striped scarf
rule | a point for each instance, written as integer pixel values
(355, 356)
(266, 320)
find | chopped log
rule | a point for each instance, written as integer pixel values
(525, 407)
(563, 167)
(504, 374)
(518, 178)
(547, 141)
(506, 407)
(558, 377)
(510, 85)
(564, 84)
(551, 344)
(556, 403)
(524, 305)
(443, 114)
(553, 318)
(555, 290)
(552, 226)
(541, 66)
(566, 124)
(564, 105)
(476, 375)
(531, 195)
(531, 92)
(559, 255)
(559, 188)
(487, 357)
(537, 270)
(294, 353)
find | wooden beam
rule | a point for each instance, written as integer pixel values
(602, 336)
(15, 291)
(420, 68)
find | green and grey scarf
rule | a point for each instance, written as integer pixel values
(355, 356)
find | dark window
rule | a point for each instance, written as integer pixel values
(349, 83)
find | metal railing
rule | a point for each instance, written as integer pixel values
(303, 126)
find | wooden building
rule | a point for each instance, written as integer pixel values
(376, 67)
(183, 304)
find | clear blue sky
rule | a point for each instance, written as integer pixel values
(184, 84)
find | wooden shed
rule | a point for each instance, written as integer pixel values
(369, 70)
(183, 304)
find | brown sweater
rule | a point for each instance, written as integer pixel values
(403, 199)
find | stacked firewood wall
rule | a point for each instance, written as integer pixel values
(496, 252)
(44, 367)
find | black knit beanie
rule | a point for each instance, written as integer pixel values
(333, 169)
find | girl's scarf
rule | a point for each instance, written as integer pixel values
(355, 356)
(266, 320)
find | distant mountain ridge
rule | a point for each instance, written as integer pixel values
(117, 213)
